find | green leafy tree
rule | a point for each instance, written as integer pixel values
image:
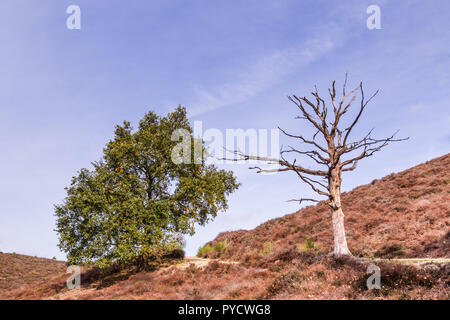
(137, 202)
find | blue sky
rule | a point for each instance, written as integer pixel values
(231, 63)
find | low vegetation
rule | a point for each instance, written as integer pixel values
(216, 251)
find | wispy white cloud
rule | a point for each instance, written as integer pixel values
(263, 74)
(417, 108)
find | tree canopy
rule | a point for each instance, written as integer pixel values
(136, 201)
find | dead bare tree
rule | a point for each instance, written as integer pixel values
(339, 154)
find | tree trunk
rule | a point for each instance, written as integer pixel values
(340, 241)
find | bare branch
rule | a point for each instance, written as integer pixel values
(333, 96)
(353, 167)
(345, 84)
(288, 166)
(314, 136)
(337, 110)
(299, 103)
(304, 199)
(311, 182)
(261, 170)
(310, 153)
(370, 146)
(363, 105)
(305, 140)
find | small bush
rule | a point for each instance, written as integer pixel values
(309, 243)
(203, 251)
(308, 246)
(221, 247)
(268, 248)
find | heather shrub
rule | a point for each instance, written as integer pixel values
(286, 254)
(268, 248)
(212, 267)
(400, 209)
(413, 195)
(391, 250)
(253, 258)
(286, 282)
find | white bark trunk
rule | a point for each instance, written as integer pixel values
(340, 241)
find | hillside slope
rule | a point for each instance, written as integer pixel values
(18, 270)
(402, 215)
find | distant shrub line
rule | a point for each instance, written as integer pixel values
(219, 249)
